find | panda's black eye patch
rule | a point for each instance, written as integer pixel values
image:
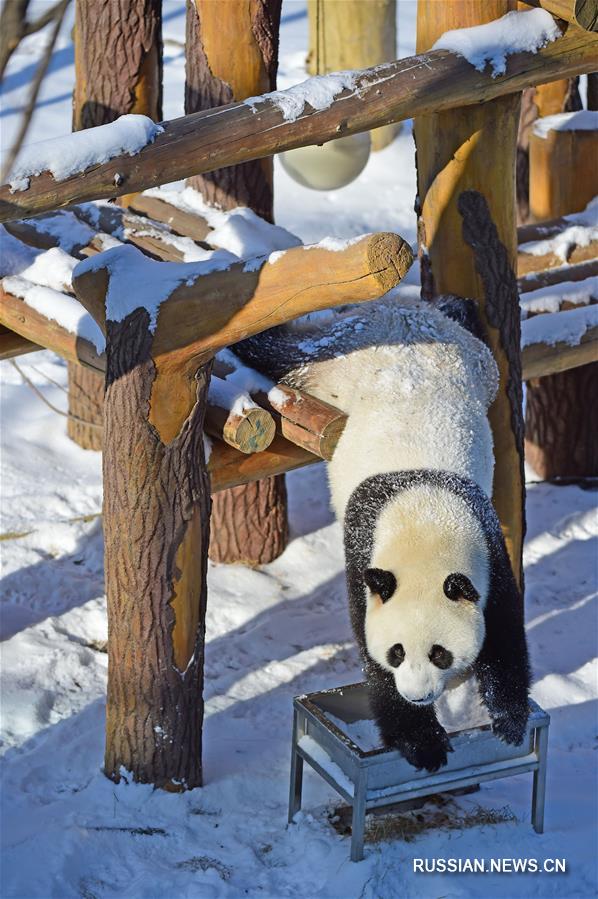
(395, 655)
(441, 657)
(381, 583)
(457, 586)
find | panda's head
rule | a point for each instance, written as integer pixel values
(426, 591)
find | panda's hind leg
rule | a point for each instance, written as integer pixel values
(413, 730)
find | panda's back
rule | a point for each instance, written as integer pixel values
(415, 384)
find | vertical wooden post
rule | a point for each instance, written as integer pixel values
(249, 523)
(118, 70)
(351, 34)
(156, 529)
(561, 426)
(466, 164)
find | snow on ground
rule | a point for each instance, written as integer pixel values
(272, 634)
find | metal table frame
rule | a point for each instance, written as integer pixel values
(376, 778)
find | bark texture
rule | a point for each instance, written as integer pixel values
(249, 522)
(118, 64)
(562, 425)
(156, 515)
(215, 76)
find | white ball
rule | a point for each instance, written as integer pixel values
(330, 166)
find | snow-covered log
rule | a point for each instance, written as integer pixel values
(195, 309)
(314, 112)
(233, 416)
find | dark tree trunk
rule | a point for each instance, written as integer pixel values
(156, 529)
(216, 75)
(249, 523)
(562, 425)
(118, 64)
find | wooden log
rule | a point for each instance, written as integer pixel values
(541, 359)
(249, 524)
(466, 186)
(579, 254)
(229, 468)
(350, 34)
(582, 13)
(563, 171)
(304, 420)
(46, 333)
(183, 223)
(555, 276)
(215, 310)
(12, 344)
(198, 143)
(118, 70)
(237, 419)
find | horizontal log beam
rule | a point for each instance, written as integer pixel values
(554, 276)
(228, 467)
(541, 359)
(238, 132)
(187, 224)
(12, 344)
(304, 420)
(209, 311)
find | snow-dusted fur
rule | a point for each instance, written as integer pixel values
(411, 479)
(415, 384)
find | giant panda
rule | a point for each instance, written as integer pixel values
(433, 602)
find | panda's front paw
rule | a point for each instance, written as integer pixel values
(430, 753)
(510, 727)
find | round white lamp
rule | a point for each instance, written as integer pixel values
(329, 166)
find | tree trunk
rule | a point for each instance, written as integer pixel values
(463, 170)
(156, 527)
(118, 70)
(561, 434)
(249, 523)
(215, 75)
(351, 34)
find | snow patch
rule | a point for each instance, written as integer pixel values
(54, 269)
(516, 32)
(559, 327)
(318, 92)
(549, 299)
(583, 120)
(58, 307)
(76, 152)
(335, 244)
(137, 282)
(561, 244)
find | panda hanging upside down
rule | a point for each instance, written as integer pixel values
(434, 604)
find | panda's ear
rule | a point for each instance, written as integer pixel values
(381, 583)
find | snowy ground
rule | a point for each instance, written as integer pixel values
(272, 633)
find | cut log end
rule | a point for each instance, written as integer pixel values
(390, 258)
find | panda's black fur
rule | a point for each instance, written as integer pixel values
(501, 669)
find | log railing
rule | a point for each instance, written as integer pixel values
(239, 132)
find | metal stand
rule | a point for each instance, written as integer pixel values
(381, 777)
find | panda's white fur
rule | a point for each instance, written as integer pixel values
(422, 537)
(416, 386)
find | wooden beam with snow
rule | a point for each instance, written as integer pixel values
(540, 358)
(583, 13)
(204, 309)
(228, 467)
(552, 277)
(304, 420)
(201, 142)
